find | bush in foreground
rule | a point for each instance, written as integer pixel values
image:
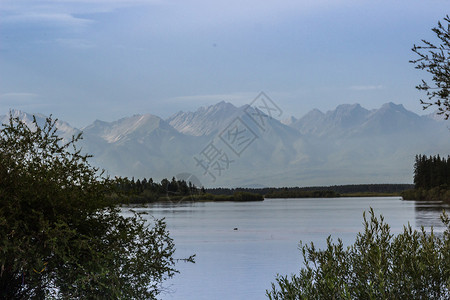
(379, 265)
(61, 236)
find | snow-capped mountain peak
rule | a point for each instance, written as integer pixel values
(65, 129)
(205, 120)
(349, 144)
(134, 125)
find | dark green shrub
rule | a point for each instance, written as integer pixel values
(412, 265)
(61, 233)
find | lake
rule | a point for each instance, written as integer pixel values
(242, 263)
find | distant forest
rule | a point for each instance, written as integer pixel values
(326, 191)
(147, 190)
(432, 171)
(431, 179)
(148, 186)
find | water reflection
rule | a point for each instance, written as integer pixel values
(242, 264)
(427, 213)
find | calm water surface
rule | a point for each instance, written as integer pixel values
(241, 264)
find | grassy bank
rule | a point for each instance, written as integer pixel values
(237, 196)
(301, 194)
(441, 193)
(371, 194)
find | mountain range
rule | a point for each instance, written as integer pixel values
(229, 146)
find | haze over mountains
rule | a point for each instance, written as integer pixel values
(224, 145)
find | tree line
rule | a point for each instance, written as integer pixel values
(316, 191)
(146, 191)
(173, 186)
(431, 179)
(431, 171)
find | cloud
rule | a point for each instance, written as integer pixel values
(71, 7)
(41, 17)
(19, 100)
(75, 43)
(63, 12)
(18, 95)
(366, 87)
(196, 12)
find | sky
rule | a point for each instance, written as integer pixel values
(107, 59)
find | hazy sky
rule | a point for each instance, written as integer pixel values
(105, 59)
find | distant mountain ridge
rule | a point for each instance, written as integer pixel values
(138, 126)
(204, 121)
(347, 145)
(65, 129)
(348, 119)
